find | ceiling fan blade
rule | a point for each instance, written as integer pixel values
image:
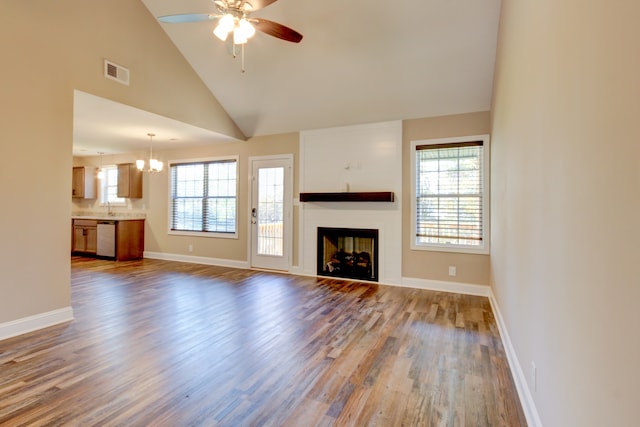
(187, 17)
(251, 5)
(276, 30)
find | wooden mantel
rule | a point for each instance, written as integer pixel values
(367, 196)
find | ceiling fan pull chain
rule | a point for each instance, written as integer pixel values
(242, 54)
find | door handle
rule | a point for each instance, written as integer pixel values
(254, 215)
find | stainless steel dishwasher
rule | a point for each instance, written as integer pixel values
(106, 239)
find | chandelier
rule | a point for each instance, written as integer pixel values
(153, 165)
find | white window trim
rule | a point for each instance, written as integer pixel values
(486, 232)
(170, 205)
(101, 186)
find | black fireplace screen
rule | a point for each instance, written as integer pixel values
(348, 252)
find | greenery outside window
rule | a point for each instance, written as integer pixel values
(203, 197)
(450, 186)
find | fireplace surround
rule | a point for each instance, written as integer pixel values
(351, 177)
(350, 253)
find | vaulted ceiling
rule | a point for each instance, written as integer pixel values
(359, 61)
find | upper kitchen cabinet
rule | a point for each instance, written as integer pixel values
(83, 182)
(129, 181)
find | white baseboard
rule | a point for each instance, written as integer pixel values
(35, 322)
(297, 270)
(528, 405)
(197, 259)
(441, 285)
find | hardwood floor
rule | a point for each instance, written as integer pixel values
(158, 343)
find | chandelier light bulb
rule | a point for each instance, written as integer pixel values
(154, 164)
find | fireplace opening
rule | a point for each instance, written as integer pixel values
(350, 253)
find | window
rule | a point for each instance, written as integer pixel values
(450, 207)
(203, 197)
(109, 187)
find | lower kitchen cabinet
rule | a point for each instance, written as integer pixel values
(129, 239)
(85, 236)
(128, 242)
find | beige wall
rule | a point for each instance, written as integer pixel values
(432, 265)
(155, 201)
(566, 200)
(49, 49)
(157, 187)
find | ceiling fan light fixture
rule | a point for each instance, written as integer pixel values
(224, 27)
(233, 17)
(246, 28)
(238, 37)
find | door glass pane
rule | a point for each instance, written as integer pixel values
(270, 211)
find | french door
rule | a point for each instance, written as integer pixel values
(270, 215)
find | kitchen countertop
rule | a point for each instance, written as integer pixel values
(106, 217)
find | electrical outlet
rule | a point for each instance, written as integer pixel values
(534, 376)
(190, 248)
(452, 270)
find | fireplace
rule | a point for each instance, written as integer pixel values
(351, 253)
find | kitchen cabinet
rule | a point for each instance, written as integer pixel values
(129, 181)
(127, 239)
(83, 184)
(85, 236)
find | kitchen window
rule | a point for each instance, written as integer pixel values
(109, 187)
(450, 209)
(204, 197)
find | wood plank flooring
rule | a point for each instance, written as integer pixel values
(158, 343)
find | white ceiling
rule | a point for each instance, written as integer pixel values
(359, 61)
(104, 126)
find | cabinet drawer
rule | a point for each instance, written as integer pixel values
(85, 223)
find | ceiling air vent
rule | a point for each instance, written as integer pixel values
(116, 72)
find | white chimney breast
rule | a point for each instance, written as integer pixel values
(357, 158)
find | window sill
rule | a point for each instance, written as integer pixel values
(451, 249)
(203, 234)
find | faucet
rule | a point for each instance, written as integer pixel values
(109, 212)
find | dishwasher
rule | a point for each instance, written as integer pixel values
(106, 239)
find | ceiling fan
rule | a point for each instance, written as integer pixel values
(233, 19)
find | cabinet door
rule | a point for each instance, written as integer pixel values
(130, 240)
(85, 239)
(77, 186)
(124, 181)
(129, 181)
(91, 234)
(79, 239)
(83, 183)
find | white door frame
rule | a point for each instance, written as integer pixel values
(287, 159)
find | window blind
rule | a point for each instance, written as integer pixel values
(203, 196)
(449, 194)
